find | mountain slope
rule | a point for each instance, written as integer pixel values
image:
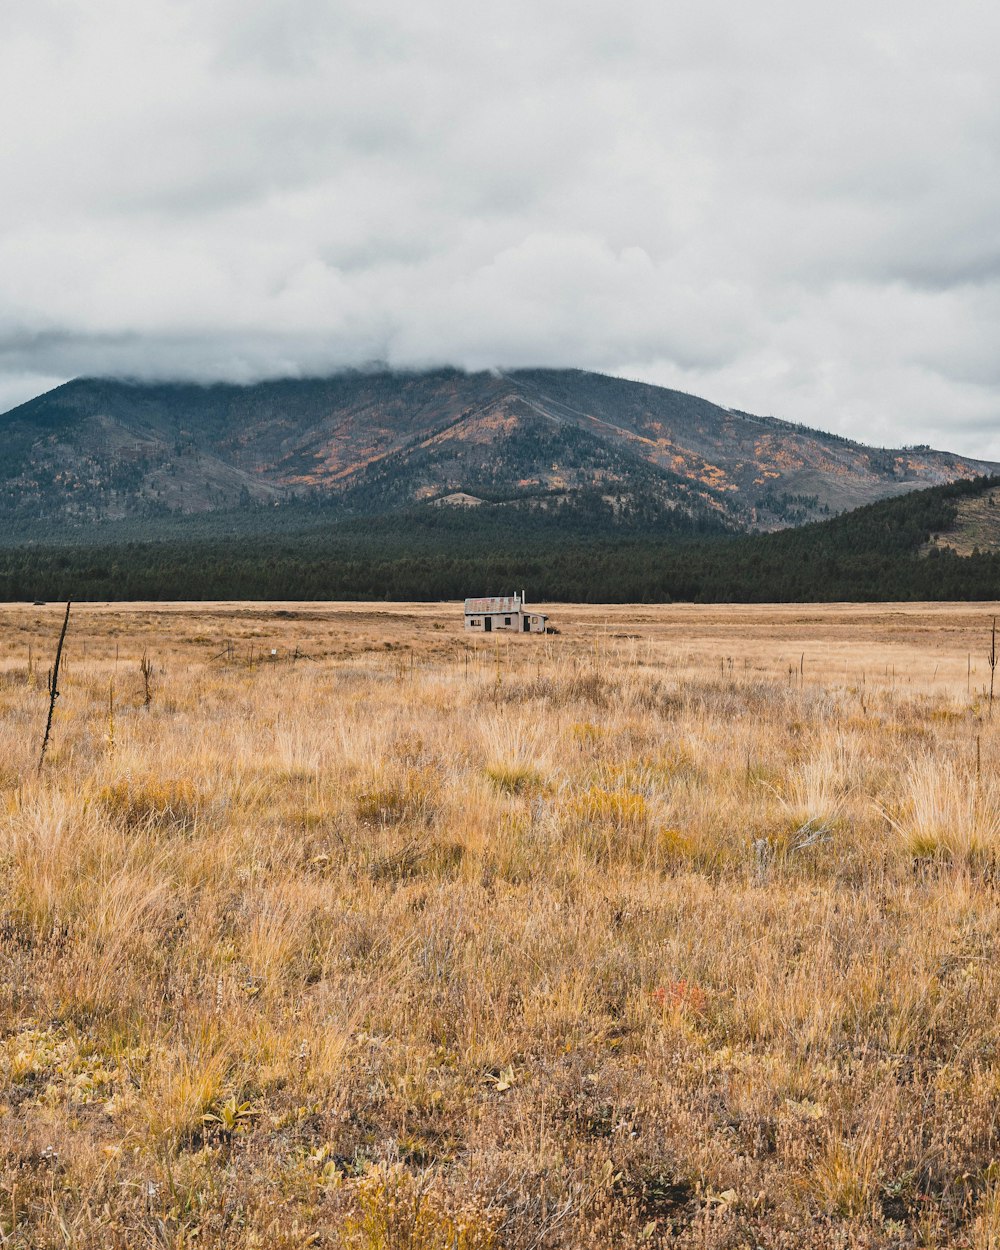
(975, 525)
(878, 552)
(99, 449)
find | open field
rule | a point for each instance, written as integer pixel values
(679, 927)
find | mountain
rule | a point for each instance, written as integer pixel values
(369, 443)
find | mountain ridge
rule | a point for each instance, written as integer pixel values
(97, 450)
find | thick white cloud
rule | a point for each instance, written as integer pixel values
(787, 207)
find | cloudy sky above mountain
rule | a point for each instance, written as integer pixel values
(788, 207)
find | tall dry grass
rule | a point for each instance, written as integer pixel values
(571, 944)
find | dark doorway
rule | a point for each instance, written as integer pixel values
(488, 623)
(527, 624)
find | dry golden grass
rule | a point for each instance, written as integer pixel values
(678, 928)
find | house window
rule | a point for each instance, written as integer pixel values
(475, 621)
(506, 620)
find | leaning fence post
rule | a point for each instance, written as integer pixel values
(54, 687)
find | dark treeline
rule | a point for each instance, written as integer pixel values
(873, 553)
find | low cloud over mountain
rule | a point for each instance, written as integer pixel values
(788, 207)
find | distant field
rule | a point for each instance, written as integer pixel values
(676, 928)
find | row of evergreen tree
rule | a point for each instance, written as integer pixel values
(875, 553)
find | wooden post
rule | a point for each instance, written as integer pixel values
(54, 687)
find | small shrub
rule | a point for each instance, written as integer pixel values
(515, 778)
(845, 1176)
(395, 1210)
(682, 997)
(622, 809)
(614, 826)
(674, 845)
(179, 1090)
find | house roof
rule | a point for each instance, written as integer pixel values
(496, 603)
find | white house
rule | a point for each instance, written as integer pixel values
(502, 612)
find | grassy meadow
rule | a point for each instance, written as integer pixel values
(335, 928)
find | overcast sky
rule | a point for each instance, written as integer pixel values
(787, 206)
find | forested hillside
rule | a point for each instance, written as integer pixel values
(893, 550)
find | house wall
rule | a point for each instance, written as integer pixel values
(500, 622)
(505, 623)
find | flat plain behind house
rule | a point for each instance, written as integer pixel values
(502, 612)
